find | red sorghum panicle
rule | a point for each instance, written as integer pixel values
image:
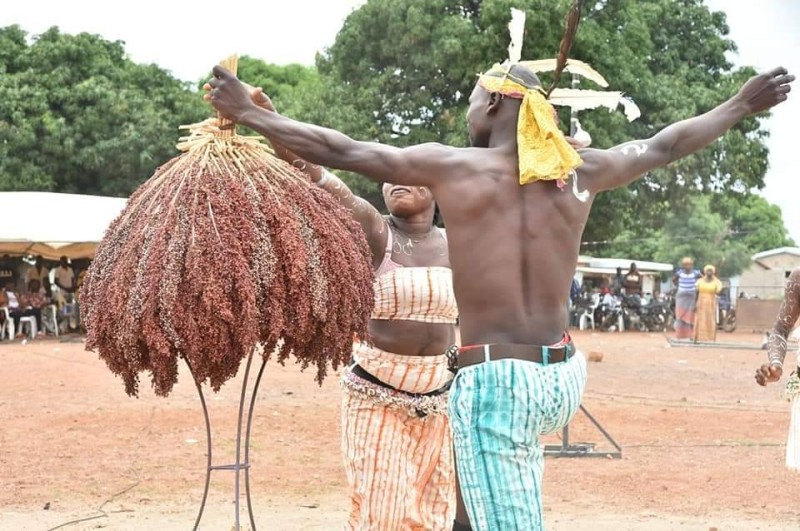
(226, 248)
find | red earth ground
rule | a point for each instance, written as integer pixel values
(703, 446)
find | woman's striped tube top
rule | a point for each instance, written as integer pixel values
(423, 294)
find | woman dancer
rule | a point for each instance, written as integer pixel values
(395, 436)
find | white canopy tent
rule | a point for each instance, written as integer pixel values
(607, 268)
(54, 225)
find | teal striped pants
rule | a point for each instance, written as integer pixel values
(498, 411)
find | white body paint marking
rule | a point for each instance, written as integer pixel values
(639, 149)
(581, 196)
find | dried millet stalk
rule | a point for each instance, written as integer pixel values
(226, 247)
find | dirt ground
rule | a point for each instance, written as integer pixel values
(703, 446)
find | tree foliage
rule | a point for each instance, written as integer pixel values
(406, 70)
(300, 92)
(722, 230)
(693, 229)
(76, 115)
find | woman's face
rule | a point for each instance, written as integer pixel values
(406, 201)
(709, 273)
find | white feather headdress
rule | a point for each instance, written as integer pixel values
(577, 99)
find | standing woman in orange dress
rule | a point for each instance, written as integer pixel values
(705, 321)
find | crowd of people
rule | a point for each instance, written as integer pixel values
(28, 289)
(697, 297)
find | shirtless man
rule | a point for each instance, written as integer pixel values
(513, 250)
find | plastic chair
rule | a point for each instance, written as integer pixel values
(50, 319)
(31, 322)
(8, 325)
(588, 316)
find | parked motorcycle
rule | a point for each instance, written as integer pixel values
(609, 315)
(726, 315)
(656, 316)
(632, 313)
(726, 319)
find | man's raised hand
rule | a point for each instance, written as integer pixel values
(766, 90)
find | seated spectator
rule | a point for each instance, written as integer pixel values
(34, 302)
(17, 310)
(609, 299)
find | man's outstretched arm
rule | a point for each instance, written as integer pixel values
(422, 165)
(627, 162)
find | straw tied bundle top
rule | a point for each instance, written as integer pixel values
(224, 248)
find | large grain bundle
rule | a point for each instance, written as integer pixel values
(225, 247)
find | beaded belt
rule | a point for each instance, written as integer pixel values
(371, 389)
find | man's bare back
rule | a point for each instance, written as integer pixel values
(513, 250)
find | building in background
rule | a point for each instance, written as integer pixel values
(766, 276)
(760, 288)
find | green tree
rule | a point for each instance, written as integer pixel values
(754, 221)
(78, 116)
(406, 69)
(694, 229)
(300, 92)
(725, 230)
(287, 85)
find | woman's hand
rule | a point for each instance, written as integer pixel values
(260, 98)
(768, 373)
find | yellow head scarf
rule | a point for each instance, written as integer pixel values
(544, 154)
(712, 268)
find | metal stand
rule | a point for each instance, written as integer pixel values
(583, 449)
(715, 344)
(239, 465)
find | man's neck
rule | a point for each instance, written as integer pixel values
(504, 137)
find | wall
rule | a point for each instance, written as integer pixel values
(753, 315)
(762, 283)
